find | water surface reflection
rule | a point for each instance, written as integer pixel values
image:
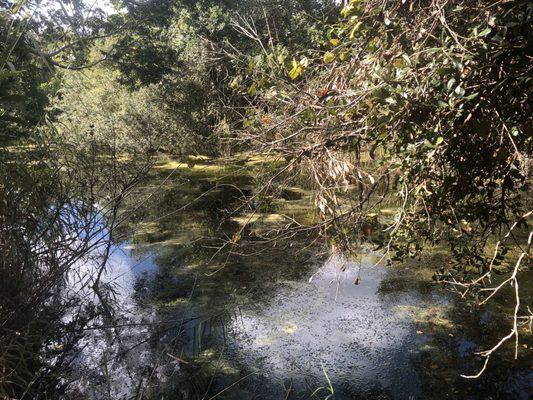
(280, 321)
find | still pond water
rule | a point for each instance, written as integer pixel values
(276, 321)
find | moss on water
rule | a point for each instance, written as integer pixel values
(433, 317)
(173, 164)
(19, 148)
(290, 328)
(262, 218)
(263, 160)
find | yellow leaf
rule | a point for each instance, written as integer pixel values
(328, 57)
(296, 71)
(355, 29)
(343, 55)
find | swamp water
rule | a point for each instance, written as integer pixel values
(276, 321)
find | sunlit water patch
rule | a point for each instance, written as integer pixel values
(326, 327)
(357, 333)
(108, 361)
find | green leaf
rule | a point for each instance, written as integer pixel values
(485, 32)
(472, 96)
(428, 144)
(440, 139)
(450, 83)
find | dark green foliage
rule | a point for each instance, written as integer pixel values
(441, 109)
(23, 92)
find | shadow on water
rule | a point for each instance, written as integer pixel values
(280, 322)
